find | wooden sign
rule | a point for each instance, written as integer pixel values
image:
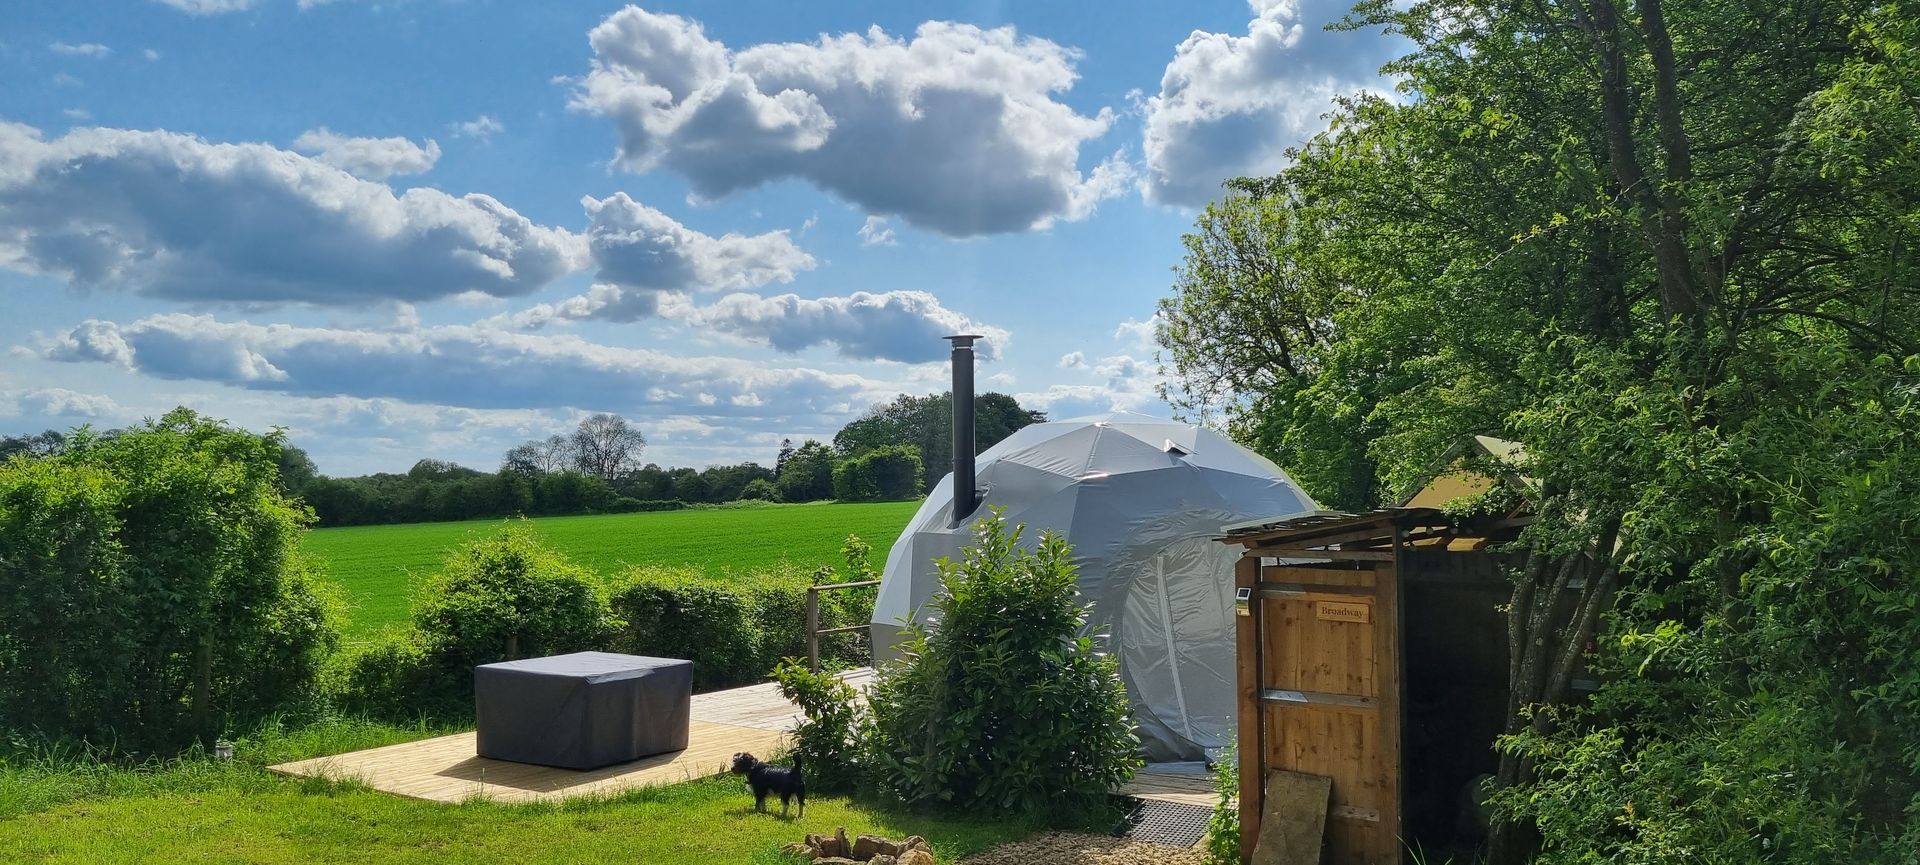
(1337, 611)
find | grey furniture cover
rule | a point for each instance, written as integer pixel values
(581, 711)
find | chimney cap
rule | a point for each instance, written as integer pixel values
(963, 340)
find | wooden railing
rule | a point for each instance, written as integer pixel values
(814, 630)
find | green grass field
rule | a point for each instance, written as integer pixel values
(375, 566)
(72, 810)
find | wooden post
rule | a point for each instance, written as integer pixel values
(813, 628)
(1252, 751)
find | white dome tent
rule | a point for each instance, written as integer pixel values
(1141, 500)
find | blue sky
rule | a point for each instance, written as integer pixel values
(432, 228)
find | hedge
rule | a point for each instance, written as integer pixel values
(735, 628)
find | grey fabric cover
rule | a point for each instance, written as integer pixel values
(1142, 500)
(581, 711)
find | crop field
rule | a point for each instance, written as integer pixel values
(376, 565)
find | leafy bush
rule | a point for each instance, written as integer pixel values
(734, 628)
(1223, 828)
(497, 598)
(885, 474)
(827, 739)
(507, 596)
(760, 489)
(152, 591)
(1004, 704)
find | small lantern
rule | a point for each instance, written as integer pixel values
(1242, 599)
(222, 750)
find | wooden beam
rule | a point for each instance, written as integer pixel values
(1252, 752)
(1316, 698)
(1358, 555)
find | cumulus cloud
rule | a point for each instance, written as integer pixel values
(80, 49)
(1119, 382)
(371, 158)
(459, 365)
(173, 216)
(903, 326)
(209, 7)
(61, 402)
(874, 232)
(483, 127)
(1231, 106)
(641, 255)
(955, 129)
(1141, 335)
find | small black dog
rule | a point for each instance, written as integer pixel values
(765, 779)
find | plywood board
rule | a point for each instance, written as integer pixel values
(1293, 825)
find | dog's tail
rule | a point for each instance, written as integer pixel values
(798, 769)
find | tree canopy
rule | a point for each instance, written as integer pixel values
(1671, 249)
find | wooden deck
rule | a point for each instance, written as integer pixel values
(445, 769)
(755, 718)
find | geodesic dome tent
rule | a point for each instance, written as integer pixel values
(1142, 500)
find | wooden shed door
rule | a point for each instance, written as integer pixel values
(1328, 698)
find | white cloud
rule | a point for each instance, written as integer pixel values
(462, 366)
(80, 49)
(61, 402)
(1231, 106)
(483, 127)
(642, 254)
(874, 232)
(955, 129)
(150, 54)
(1140, 335)
(1073, 360)
(173, 216)
(209, 7)
(371, 158)
(904, 326)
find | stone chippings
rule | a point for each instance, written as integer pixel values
(1067, 848)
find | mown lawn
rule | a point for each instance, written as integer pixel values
(375, 566)
(70, 811)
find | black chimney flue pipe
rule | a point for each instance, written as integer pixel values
(965, 496)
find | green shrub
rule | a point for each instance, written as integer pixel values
(1004, 705)
(396, 678)
(1223, 828)
(681, 613)
(151, 591)
(883, 474)
(734, 628)
(760, 489)
(507, 596)
(827, 738)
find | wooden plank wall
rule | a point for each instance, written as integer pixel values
(1322, 690)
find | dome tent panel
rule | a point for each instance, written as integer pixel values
(1140, 500)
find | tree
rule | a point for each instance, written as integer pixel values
(886, 474)
(552, 454)
(152, 591)
(925, 423)
(606, 446)
(296, 468)
(808, 474)
(40, 444)
(1669, 249)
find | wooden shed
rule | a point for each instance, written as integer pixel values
(1372, 652)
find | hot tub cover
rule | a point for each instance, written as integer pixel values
(581, 711)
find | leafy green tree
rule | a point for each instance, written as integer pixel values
(880, 475)
(151, 589)
(925, 423)
(1006, 706)
(1670, 249)
(807, 475)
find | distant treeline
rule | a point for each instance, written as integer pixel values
(893, 452)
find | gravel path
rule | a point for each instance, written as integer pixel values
(1064, 848)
